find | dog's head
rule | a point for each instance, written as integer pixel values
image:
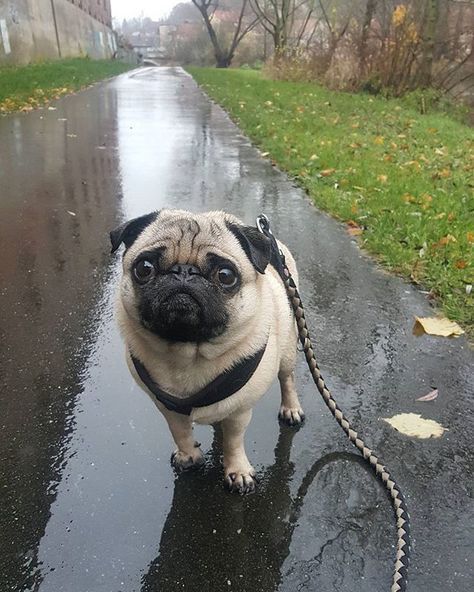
(190, 277)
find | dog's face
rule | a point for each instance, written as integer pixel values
(190, 277)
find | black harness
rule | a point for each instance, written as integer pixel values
(223, 386)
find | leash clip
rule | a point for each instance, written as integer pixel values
(263, 225)
(277, 258)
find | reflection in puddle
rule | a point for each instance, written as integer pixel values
(211, 541)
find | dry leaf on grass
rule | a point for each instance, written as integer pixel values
(354, 231)
(436, 326)
(431, 396)
(413, 425)
(327, 172)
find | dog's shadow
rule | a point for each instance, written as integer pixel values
(215, 541)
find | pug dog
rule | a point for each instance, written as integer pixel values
(207, 326)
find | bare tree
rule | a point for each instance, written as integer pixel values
(277, 18)
(370, 9)
(432, 11)
(225, 53)
(337, 28)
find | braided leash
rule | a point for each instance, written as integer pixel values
(399, 581)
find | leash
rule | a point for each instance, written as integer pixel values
(399, 580)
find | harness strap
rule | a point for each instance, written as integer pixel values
(223, 386)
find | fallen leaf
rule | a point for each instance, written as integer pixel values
(382, 178)
(327, 172)
(379, 140)
(352, 223)
(442, 174)
(445, 240)
(415, 426)
(436, 326)
(470, 237)
(265, 153)
(355, 231)
(461, 264)
(431, 396)
(71, 213)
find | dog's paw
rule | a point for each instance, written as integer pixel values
(240, 481)
(185, 461)
(291, 416)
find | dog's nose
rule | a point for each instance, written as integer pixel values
(184, 272)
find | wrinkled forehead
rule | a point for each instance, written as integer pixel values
(184, 239)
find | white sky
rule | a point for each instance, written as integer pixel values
(155, 9)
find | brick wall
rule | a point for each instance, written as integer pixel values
(98, 9)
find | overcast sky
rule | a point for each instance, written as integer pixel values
(155, 9)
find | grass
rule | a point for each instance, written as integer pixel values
(23, 88)
(403, 182)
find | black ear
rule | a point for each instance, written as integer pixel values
(129, 231)
(256, 245)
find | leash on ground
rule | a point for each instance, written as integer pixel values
(399, 580)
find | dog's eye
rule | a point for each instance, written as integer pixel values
(143, 270)
(227, 277)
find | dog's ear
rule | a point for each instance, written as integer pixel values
(256, 245)
(129, 231)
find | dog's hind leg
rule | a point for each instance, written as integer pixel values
(239, 475)
(188, 455)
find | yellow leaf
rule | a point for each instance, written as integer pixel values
(399, 15)
(439, 326)
(382, 178)
(442, 174)
(354, 231)
(415, 426)
(327, 172)
(470, 237)
(379, 140)
(445, 240)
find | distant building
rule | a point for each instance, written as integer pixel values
(98, 9)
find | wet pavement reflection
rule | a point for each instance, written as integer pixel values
(88, 499)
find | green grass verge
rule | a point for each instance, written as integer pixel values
(23, 88)
(403, 182)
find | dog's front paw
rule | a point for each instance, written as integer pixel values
(184, 461)
(240, 480)
(292, 416)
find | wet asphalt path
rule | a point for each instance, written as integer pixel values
(89, 502)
